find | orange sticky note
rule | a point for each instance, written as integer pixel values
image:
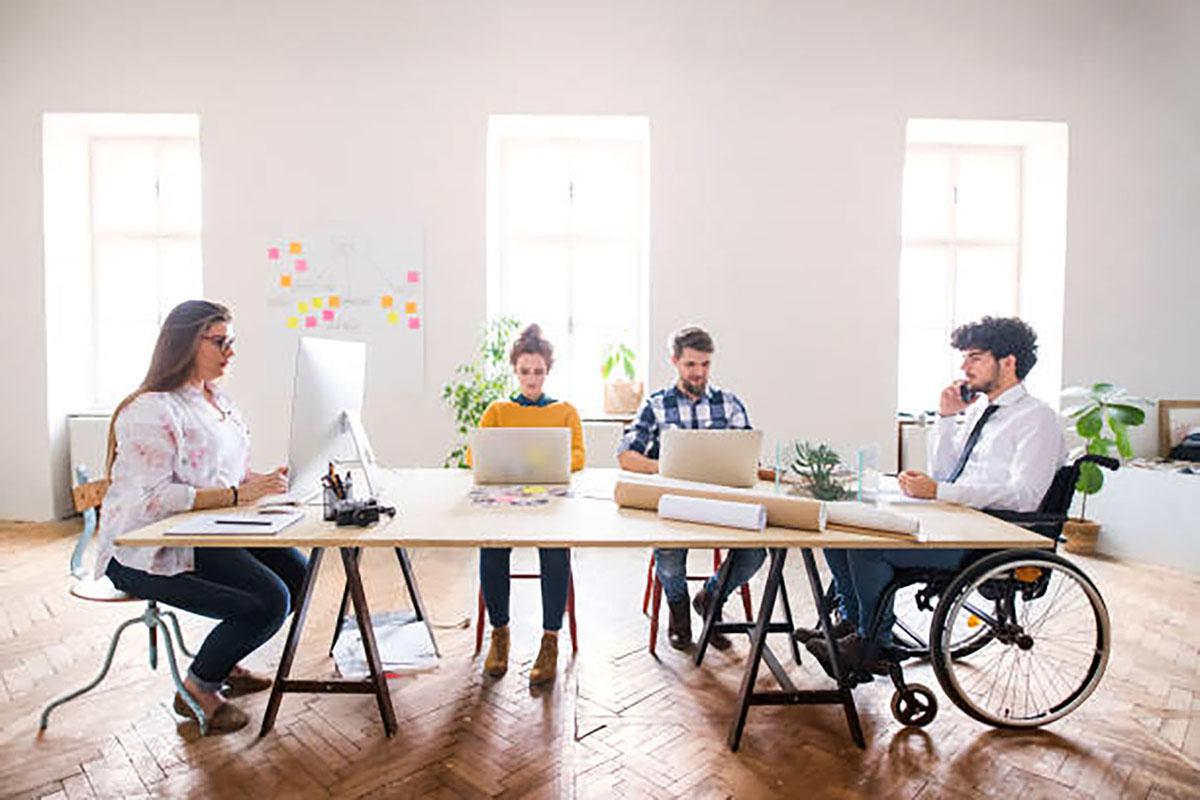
(335, 301)
(294, 248)
(285, 281)
(318, 302)
(302, 307)
(385, 301)
(327, 314)
(410, 307)
(393, 318)
(293, 322)
(414, 323)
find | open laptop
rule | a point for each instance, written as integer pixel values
(725, 457)
(521, 455)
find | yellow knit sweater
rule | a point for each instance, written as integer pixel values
(509, 414)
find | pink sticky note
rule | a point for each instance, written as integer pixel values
(273, 253)
(310, 322)
(414, 323)
(301, 265)
(414, 276)
(327, 314)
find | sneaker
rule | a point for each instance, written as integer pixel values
(701, 603)
(842, 627)
(496, 663)
(679, 629)
(546, 665)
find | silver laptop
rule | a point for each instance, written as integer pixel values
(725, 457)
(521, 455)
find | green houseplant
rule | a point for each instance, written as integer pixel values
(816, 465)
(479, 382)
(1101, 415)
(622, 395)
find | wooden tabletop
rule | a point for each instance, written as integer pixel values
(435, 510)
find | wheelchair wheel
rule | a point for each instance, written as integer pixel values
(913, 623)
(1047, 646)
(914, 705)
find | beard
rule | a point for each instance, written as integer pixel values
(694, 389)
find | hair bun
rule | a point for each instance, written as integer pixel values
(533, 332)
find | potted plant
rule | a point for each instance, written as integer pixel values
(1102, 416)
(816, 464)
(622, 394)
(479, 382)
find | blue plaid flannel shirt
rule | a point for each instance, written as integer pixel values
(671, 408)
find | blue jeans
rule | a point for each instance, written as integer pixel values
(249, 589)
(870, 571)
(495, 581)
(843, 586)
(671, 567)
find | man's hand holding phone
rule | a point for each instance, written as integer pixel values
(955, 398)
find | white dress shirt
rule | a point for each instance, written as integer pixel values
(1019, 449)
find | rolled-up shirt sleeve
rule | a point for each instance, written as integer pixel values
(642, 434)
(148, 442)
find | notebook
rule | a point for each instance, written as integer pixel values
(255, 522)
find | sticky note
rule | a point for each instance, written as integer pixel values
(393, 318)
(293, 322)
(310, 322)
(302, 307)
(285, 281)
(534, 490)
(273, 253)
(327, 314)
(414, 276)
(318, 302)
(294, 248)
(301, 265)
(335, 301)
(385, 301)
(414, 323)
(410, 307)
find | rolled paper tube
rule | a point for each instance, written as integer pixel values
(751, 516)
(783, 511)
(860, 515)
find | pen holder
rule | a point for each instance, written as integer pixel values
(329, 499)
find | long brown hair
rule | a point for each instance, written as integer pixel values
(174, 357)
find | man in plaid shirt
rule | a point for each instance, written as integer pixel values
(690, 403)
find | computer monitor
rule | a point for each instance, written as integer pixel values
(327, 401)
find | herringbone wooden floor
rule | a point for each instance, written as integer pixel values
(618, 723)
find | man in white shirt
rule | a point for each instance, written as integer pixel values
(1002, 457)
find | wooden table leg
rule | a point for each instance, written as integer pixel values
(713, 607)
(414, 594)
(293, 639)
(370, 648)
(844, 682)
(758, 640)
(341, 613)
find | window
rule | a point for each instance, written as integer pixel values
(983, 227)
(568, 223)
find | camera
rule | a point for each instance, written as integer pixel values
(360, 513)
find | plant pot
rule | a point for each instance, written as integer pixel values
(1081, 536)
(622, 397)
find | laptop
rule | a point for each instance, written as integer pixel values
(521, 455)
(725, 457)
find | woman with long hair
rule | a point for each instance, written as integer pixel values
(531, 358)
(178, 443)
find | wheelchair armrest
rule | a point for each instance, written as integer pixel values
(1026, 517)
(1108, 462)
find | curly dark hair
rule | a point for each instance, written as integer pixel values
(1001, 336)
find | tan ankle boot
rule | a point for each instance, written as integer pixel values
(496, 663)
(547, 661)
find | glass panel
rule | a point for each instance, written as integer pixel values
(124, 186)
(607, 189)
(985, 283)
(535, 188)
(179, 187)
(123, 355)
(125, 282)
(605, 289)
(927, 205)
(179, 274)
(924, 276)
(988, 201)
(926, 366)
(534, 288)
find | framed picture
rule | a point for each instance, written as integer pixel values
(1176, 418)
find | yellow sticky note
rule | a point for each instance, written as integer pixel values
(410, 307)
(302, 307)
(294, 248)
(535, 490)
(385, 301)
(318, 302)
(335, 301)
(293, 322)
(393, 318)
(285, 281)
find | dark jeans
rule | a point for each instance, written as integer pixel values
(671, 566)
(249, 589)
(494, 578)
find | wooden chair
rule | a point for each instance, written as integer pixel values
(481, 613)
(654, 590)
(88, 496)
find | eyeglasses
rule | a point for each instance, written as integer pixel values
(525, 372)
(223, 343)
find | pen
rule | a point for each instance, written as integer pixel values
(243, 522)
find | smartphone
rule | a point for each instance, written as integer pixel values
(966, 393)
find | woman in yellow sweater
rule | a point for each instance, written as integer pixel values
(531, 358)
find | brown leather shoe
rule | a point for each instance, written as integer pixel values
(245, 682)
(717, 639)
(546, 665)
(679, 629)
(227, 718)
(496, 663)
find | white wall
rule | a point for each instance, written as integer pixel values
(777, 140)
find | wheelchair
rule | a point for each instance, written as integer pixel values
(1016, 638)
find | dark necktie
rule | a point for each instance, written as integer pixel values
(972, 440)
